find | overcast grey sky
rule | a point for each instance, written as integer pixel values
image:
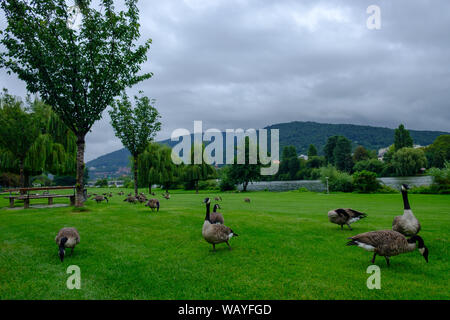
(249, 64)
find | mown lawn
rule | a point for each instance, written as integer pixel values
(287, 249)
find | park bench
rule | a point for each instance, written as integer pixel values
(27, 194)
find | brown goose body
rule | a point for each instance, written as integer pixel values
(345, 216)
(67, 238)
(130, 199)
(72, 235)
(215, 216)
(99, 199)
(388, 243)
(153, 204)
(407, 224)
(247, 200)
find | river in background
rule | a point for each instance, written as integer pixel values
(318, 186)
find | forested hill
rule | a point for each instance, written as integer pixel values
(302, 134)
(298, 134)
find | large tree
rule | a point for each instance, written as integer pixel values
(312, 151)
(290, 164)
(33, 139)
(136, 126)
(193, 173)
(156, 167)
(248, 172)
(78, 71)
(409, 161)
(343, 154)
(402, 138)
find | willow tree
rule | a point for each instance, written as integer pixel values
(156, 167)
(77, 70)
(33, 139)
(136, 126)
(194, 173)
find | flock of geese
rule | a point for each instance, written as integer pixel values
(402, 238)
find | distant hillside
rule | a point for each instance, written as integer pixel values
(302, 134)
(298, 134)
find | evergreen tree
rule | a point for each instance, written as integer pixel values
(402, 138)
(312, 151)
(342, 154)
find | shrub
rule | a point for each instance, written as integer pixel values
(365, 181)
(441, 178)
(409, 161)
(337, 180)
(315, 174)
(226, 183)
(386, 189)
(208, 185)
(303, 189)
(373, 165)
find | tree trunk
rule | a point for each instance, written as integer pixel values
(79, 197)
(150, 188)
(245, 184)
(135, 171)
(196, 186)
(22, 173)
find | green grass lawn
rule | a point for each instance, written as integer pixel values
(287, 249)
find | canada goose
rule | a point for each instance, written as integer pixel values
(345, 216)
(121, 193)
(131, 199)
(406, 224)
(167, 196)
(67, 238)
(215, 216)
(388, 243)
(219, 198)
(247, 200)
(100, 199)
(215, 233)
(153, 204)
(141, 198)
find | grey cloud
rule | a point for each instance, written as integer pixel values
(254, 63)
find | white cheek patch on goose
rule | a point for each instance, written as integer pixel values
(422, 250)
(230, 236)
(367, 247)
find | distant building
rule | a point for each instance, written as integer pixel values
(304, 157)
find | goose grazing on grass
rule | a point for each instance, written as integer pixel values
(167, 196)
(219, 198)
(215, 233)
(345, 216)
(131, 199)
(247, 200)
(388, 243)
(67, 238)
(99, 199)
(153, 204)
(407, 224)
(215, 216)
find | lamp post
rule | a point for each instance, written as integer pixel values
(328, 189)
